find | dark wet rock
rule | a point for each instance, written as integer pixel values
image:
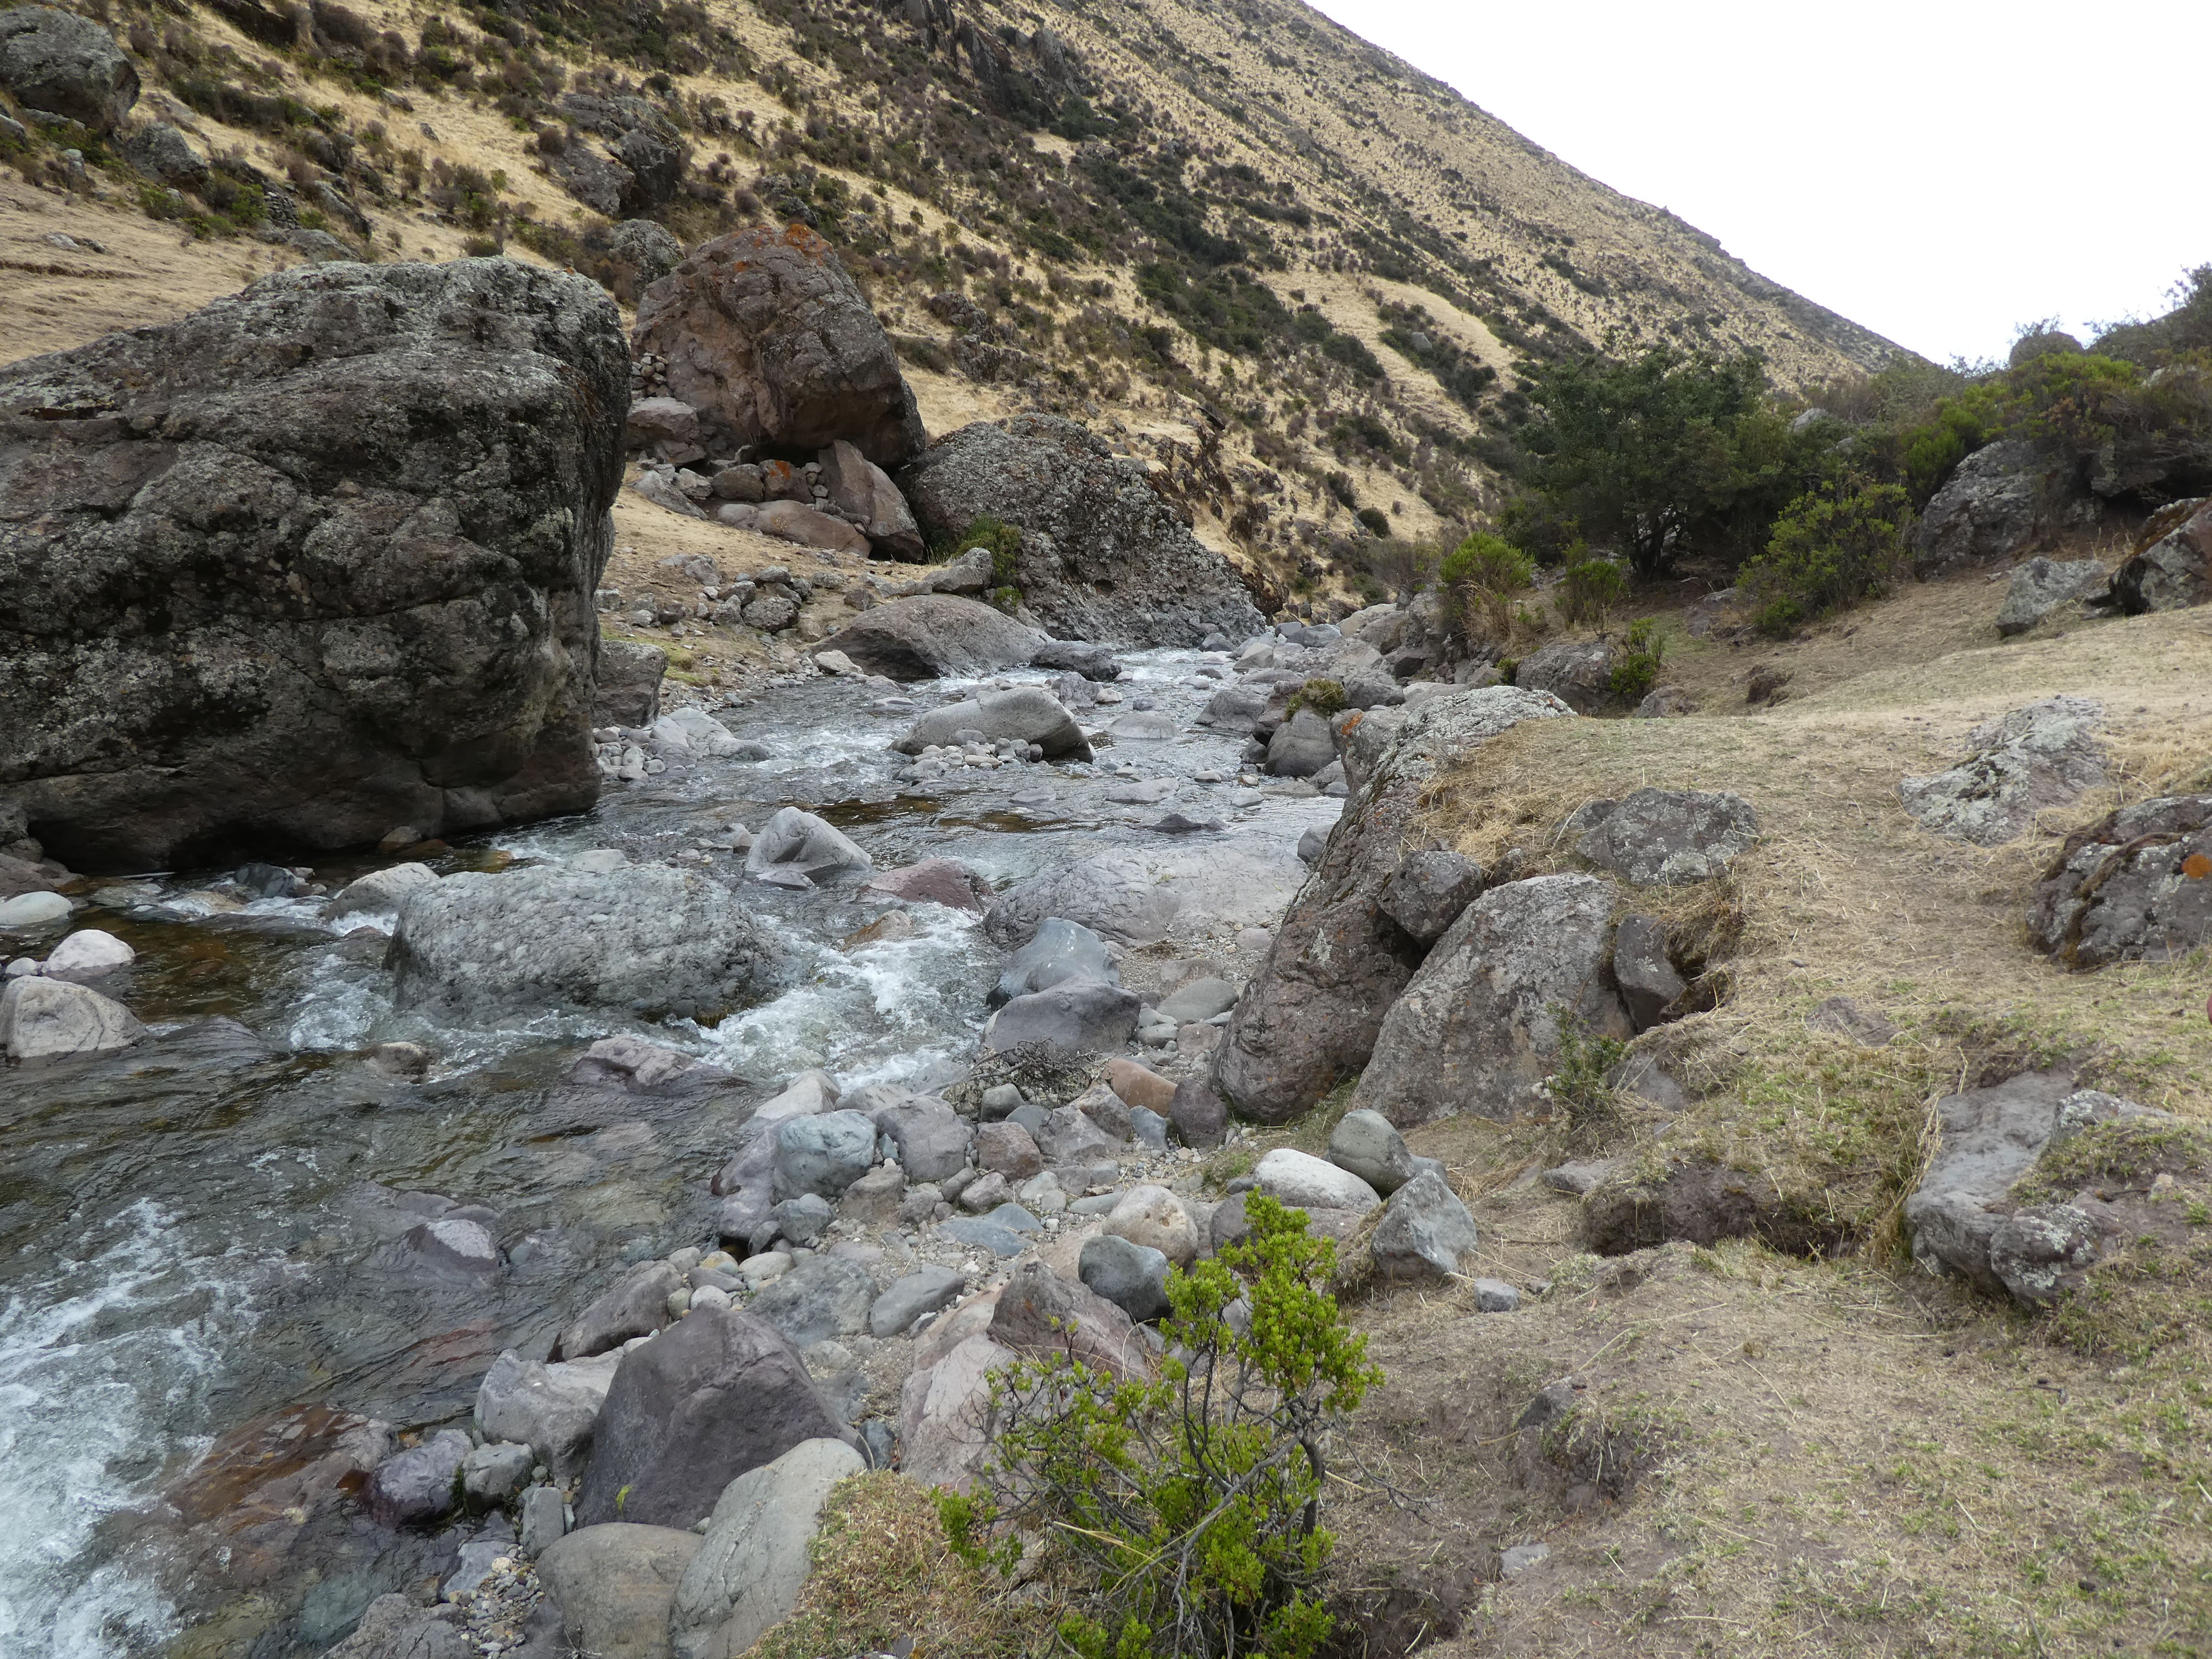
(1428, 890)
(638, 1068)
(635, 1305)
(66, 65)
(2045, 754)
(2135, 885)
(1025, 714)
(718, 1392)
(766, 334)
(387, 620)
(800, 843)
(1665, 837)
(628, 688)
(931, 635)
(935, 881)
(1310, 1016)
(1105, 557)
(418, 1485)
(1477, 1027)
(1990, 508)
(644, 937)
(1112, 895)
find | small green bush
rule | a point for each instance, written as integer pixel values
(1594, 1109)
(1196, 1494)
(1374, 520)
(1324, 698)
(1588, 591)
(1636, 670)
(1479, 578)
(1827, 552)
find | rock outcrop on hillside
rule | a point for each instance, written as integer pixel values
(764, 334)
(313, 563)
(1104, 555)
(66, 65)
(1991, 508)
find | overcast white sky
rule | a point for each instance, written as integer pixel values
(1938, 170)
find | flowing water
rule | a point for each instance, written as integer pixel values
(199, 1284)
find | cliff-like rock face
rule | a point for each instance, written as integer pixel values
(310, 564)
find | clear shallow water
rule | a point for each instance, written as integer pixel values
(187, 1259)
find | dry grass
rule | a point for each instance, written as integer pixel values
(883, 1570)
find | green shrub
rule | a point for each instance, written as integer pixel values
(1195, 1495)
(1479, 578)
(1577, 1085)
(1324, 698)
(1827, 552)
(1588, 591)
(1636, 670)
(1374, 520)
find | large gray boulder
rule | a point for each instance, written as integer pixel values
(396, 1627)
(1113, 895)
(2045, 754)
(1079, 1016)
(550, 1409)
(416, 1485)
(931, 1138)
(1478, 1028)
(162, 154)
(628, 690)
(865, 495)
(822, 1153)
(803, 844)
(933, 634)
(1990, 508)
(374, 501)
(1301, 746)
(2135, 885)
(45, 1020)
(636, 1304)
(1428, 890)
(1133, 1277)
(718, 1392)
(2171, 573)
(1310, 1016)
(765, 334)
(823, 1297)
(647, 938)
(1041, 1313)
(1105, 557)
(1665, 837)
(1060, 950)
(65, 64)
(1425, 1231)
(1579, 672)
(614, 1584)
(753, 1559)
(2042, 586)
(1025, 713)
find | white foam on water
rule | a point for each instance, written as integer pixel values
(88, 1379)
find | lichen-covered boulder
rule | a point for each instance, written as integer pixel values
(2135, 884)
(1104, 556)
(65, 64)
(766, 336)
(338, 536)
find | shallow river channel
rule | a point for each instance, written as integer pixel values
(197, 1283)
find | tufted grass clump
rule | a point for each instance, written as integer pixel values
(1193, 1497)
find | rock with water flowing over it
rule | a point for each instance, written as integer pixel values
(796, 842)
(935, 881)
(753, 1559)
(380, 893)
(647, 940)
(1112, 895)
(1026, 713)
(44, 1020)
(716, 1395)
(388, 620)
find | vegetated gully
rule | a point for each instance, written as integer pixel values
(185, 1241)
